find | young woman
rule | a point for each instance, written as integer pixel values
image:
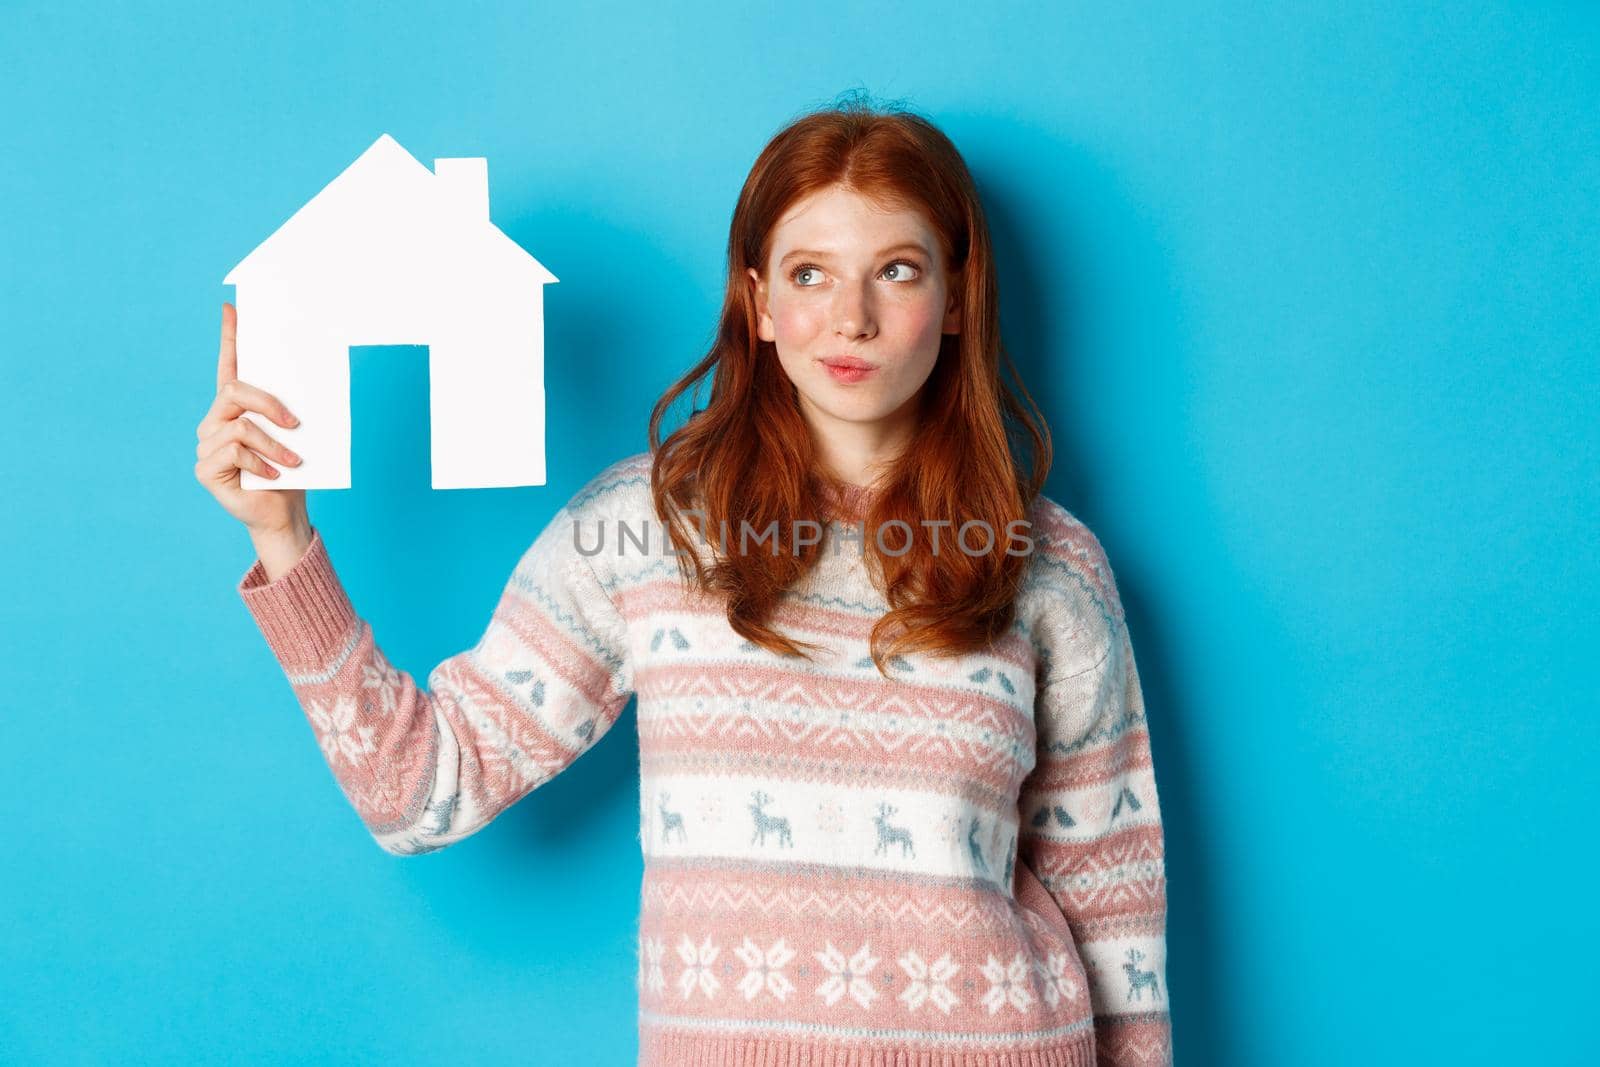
(897, 804)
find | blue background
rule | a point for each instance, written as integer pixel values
(1309, 299)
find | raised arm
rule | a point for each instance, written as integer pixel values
(426, 767)
(1090, 817)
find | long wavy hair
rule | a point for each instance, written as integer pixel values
(747, 456)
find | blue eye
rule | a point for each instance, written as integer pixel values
(802, 268)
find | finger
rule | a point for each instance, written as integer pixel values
(224, 465)
(236, 397)
(246, 460)
(250, 433)
(228, 351)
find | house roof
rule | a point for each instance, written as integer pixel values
(384, 178)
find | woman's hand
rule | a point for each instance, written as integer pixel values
(229, 444)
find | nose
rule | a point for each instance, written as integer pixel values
(852, 312)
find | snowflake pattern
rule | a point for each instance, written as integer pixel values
(337, 731)
(710, 809)
(765, 969)
(380, 675)
(1058, 985)
(1008, 983)
(830, 817)
(697, 968)
(847, 976)
(928, 982)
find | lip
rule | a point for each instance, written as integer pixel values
(847, 369)
(847, 363)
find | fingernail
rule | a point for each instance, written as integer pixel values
(293, 458)
(294, 420)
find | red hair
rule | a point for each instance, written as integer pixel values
(748, 456)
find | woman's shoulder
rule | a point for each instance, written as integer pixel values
(1068, 563)
(1059, 535)
(621, 490)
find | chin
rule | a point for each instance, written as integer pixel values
(858, 412)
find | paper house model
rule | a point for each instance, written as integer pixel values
(391, 253)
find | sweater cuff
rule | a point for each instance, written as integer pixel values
(304, 613)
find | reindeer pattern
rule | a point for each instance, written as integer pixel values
(987, 849)
(768, 824)
(1138, 979)
(892, 835)
(670, 820)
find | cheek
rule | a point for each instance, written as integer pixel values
(920, 325)
(796, 323)
(927, 317)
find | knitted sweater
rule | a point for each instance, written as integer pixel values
(958, 865)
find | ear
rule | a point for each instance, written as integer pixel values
(952, 311)
(763, 319)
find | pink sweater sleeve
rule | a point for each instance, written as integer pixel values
(425, 767)
(1090, 819)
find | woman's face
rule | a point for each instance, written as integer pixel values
(849, 284)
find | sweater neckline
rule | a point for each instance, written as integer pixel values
(844, 500)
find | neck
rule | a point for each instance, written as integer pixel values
(857, 453)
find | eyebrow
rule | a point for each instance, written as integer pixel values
(812, 254)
